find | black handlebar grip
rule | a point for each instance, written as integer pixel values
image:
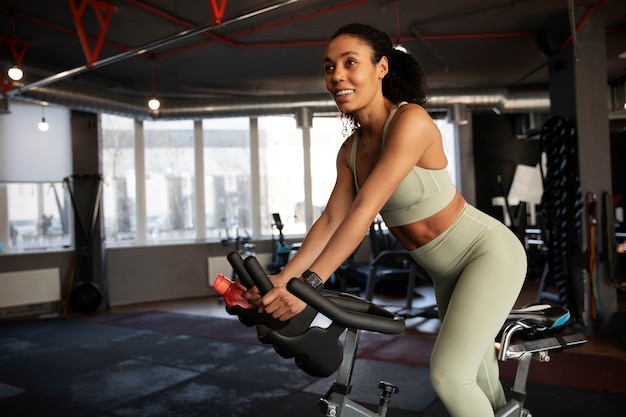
(235, 260)
(352, 319)
(258, 275)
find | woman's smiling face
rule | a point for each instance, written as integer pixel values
(352, 79)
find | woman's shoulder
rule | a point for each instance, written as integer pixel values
(346, 147)
(347, 143)
(412, 116)
(412, 110)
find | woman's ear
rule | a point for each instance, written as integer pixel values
(383, 67)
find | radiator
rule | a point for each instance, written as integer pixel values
(35, 286)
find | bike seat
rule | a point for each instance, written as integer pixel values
(540, 316)
(532, 319)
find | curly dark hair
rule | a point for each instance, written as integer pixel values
(405, 80)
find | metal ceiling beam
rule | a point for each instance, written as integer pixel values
(144, 49)
(82, 98)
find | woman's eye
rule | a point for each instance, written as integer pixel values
(350, 62)
(328, 68)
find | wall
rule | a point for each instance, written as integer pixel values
(166, 272)
(498, 152)
(142, 274)
(25, 261)
(28, 154)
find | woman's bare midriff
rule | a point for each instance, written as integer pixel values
(412, 236)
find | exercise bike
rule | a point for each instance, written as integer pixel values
(282, 250)
(319, 351)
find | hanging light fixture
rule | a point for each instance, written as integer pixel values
(154, 103)
(397, 45)
(43, 125)
(15, 72)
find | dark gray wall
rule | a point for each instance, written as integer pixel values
(497, 151)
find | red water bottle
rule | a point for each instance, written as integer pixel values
(230, 292)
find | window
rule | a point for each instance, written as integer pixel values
(170, 180)
(118, 165)
(38, 216)
(448, 135)
(281, 174)
(227, 179)
(326, 139)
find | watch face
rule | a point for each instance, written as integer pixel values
(313, 279)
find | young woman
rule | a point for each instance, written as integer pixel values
(394, 164)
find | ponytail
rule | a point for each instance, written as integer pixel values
(405, 80)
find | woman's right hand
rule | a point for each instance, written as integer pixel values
(253, 296)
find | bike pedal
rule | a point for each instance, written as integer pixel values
(327, 408)
(388, 388)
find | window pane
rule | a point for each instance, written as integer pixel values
(282, 174)
(170, 180)
(39, 216)
(326, 138)
(448, 133)
(118, 166)
(227, 180)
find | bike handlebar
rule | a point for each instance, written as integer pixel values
(234, 258)
(258, 275)
(343, 309)
(351, 312)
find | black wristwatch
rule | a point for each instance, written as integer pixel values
(312, 279)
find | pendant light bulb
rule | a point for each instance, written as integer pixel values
(43, 125)
(15, 73)
(154, 104)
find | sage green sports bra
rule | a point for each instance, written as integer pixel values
(422, 193)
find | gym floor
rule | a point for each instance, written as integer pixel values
(190, 358)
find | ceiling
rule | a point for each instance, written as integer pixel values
(250, 51)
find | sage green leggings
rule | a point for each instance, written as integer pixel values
(478, 267)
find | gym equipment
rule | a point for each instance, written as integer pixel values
(282, 250)
(389, 263)
(591, 209)
(319, 351)
(86, 296)
(561, 215)
(609, 241)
